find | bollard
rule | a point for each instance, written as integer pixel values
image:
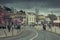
(12, 32)
(55, 30)
(51, 29)
(5, 33)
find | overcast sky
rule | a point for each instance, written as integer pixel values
(44, 6)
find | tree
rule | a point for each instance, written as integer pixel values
(52, 17)
(6, 8)
(22, 11)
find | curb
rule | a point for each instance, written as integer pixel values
(13, 36)
(53, 32)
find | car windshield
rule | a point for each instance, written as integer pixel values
(29, 19)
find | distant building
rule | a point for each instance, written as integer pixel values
(1, 16)
(4, 15)
(13, 10)
(31, 18)
(47, 19)
(40, 18)
(57, 22)
(21, 15)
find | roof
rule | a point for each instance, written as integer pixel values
(4, 11)
(21, 13)
(31, 13)
(40, 15)
(56, 21)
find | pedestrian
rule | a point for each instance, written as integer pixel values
(49, 25)
(44, 24)
(44, 27)
(9, 24)
(18, 23)
(9, 27)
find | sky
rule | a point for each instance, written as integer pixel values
(44, 6)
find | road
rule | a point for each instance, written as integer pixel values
(44, 35)
(32, 34)
(26, 35)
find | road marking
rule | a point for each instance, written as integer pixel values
(35, 36)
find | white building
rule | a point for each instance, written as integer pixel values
(31, 18)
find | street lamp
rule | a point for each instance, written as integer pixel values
(37, 11)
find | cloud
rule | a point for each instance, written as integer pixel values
(51, 3)
(30, 5)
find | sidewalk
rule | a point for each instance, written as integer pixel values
(2, 33)
(53, 29)
(14, 32)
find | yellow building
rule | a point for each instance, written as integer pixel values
(41, 17)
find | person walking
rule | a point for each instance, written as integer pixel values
(18, 23)
(49, 25)
(9, 25)
(44, 24)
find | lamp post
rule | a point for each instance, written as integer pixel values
(37, 11)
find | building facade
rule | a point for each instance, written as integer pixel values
(31, 18)
(21, 15)
(40, 18)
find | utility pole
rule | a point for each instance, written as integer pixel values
(37, 12)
